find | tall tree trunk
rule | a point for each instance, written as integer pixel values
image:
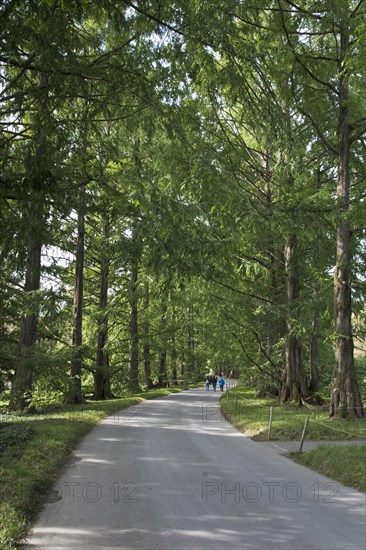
(268, 384)
(133, 383)
(162, 369)
(22, 382)
(182, 367)
(295, 387)
(102, 386)
(345, 394)
(191, 342)
(23, 378)
(314, 385)
(146, 338)
(174, 355)
(75, 393)
(272, 326)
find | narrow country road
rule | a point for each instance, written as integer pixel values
(172, 474)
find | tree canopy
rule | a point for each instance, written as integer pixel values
(183, 182)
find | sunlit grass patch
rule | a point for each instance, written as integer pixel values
(251, 415)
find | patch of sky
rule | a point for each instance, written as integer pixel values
(54, 256)
(216, 55)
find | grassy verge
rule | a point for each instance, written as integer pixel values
(345, 464)
(33, 449)
(251, 415)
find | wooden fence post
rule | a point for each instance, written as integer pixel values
(270, 422)
(304, 433)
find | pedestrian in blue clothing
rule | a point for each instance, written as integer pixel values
(221, 383)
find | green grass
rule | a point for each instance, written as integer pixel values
(251, 415)
(33, 449)
(345, 464)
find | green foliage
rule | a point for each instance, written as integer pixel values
(360, 366)
(14, 433)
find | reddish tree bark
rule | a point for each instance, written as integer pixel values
(345, 394)
(75, 393)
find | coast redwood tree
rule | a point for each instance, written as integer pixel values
(345, 397)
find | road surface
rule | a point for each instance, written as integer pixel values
(172, 474)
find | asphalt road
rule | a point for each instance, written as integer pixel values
(172, 474)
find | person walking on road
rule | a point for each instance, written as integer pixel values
(214, 382)
(221, 383)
